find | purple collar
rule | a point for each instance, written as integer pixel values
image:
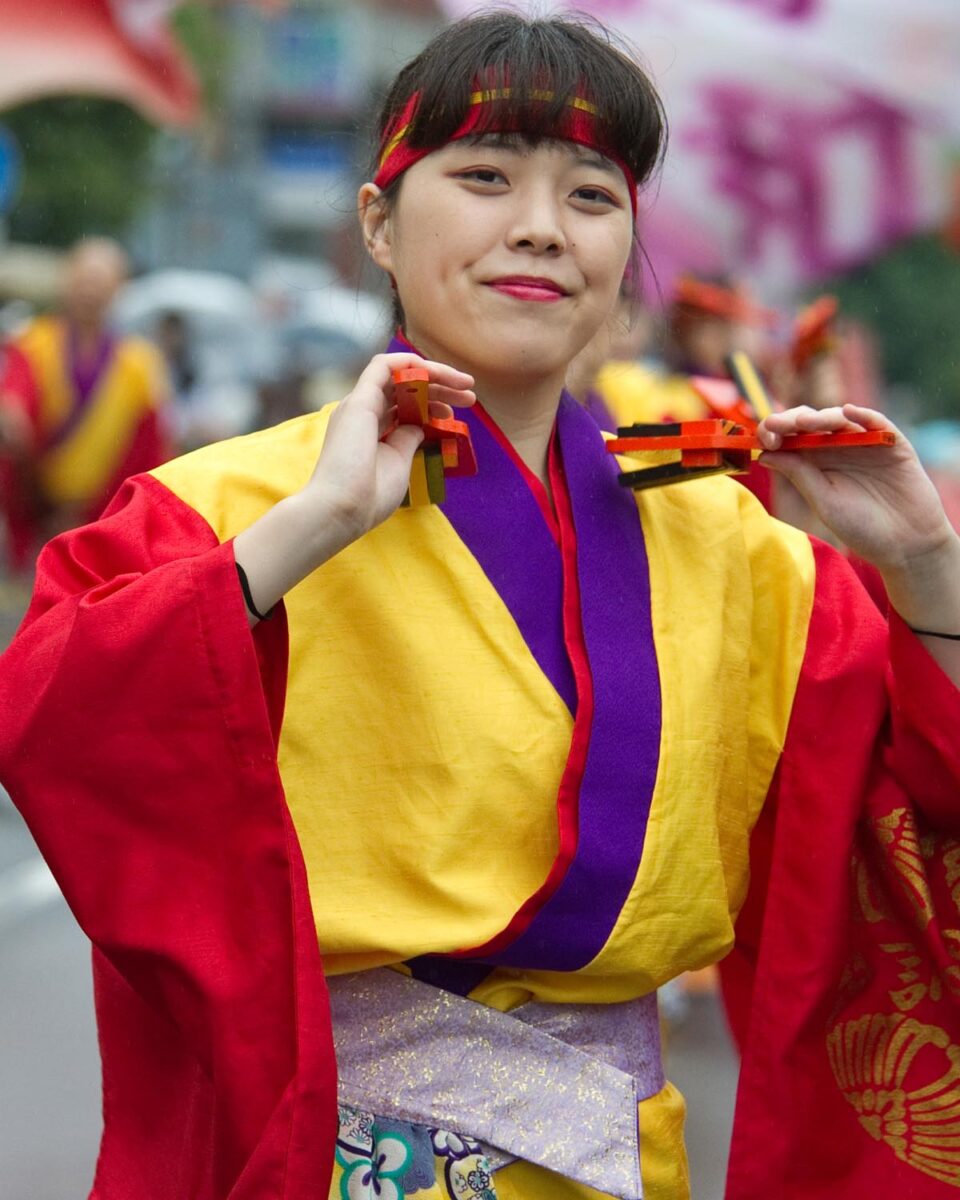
(84, 374)
(605, 800)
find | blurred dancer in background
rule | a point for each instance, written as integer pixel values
(708, 319)
(100, 395)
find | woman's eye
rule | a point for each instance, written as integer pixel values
(596, 196)
(482, 175)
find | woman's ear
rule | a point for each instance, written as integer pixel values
(375, 225)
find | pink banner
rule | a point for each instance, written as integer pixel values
(805, 134)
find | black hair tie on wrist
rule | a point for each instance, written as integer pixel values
(951, 637)
(248, 597)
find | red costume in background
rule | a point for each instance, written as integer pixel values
(100, 416)
(20, 408)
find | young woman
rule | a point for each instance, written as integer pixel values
(499, 761)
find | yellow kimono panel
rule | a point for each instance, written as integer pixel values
(637, 394)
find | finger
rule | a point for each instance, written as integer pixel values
(374, 388)
(383, 365)
(869, 418)
(798, 468)
(774, 428)
(826, 420)
(387, 421)
(447, 376)
(807, 418)
(440, 411)
(448, 399)
(405, 439)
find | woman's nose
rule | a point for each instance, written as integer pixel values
(537, 227)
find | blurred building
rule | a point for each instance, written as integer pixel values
(276, 170)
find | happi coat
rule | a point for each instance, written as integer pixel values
(100, 419)
(559, 753)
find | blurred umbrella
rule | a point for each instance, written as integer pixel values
(938, 444)
(335, 327)
(206, 298)
(282, 283)
(805, 135)
(226, 328)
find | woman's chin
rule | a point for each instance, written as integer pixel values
(534, 355)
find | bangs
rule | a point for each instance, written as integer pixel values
(531, 74)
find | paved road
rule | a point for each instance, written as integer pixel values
(702, 1063)
(49, 1083)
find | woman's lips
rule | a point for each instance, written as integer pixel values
(524, 287)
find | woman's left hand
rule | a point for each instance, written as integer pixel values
(878, 500)
(880, 503)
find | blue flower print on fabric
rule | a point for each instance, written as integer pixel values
(382, 1159)
(421, 1174)
(377, 1177)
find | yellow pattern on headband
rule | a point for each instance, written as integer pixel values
(506, 93)
(394, 143)
(485, 97)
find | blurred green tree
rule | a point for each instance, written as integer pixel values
(84, 168)
(910, 297)
(86, 158)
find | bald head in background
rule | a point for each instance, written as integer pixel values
(94, 271)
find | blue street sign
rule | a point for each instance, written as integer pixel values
(10, 164)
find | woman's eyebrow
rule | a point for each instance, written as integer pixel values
(520, 145)
(593, 159)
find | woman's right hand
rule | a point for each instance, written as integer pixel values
(358, 481)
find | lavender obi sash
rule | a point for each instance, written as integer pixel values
(554, 1084)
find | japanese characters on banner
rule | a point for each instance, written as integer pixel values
(805, 135)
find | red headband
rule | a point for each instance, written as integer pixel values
(580, 126)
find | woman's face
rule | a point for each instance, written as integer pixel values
(506, 258)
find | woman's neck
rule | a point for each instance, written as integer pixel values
(526, 417)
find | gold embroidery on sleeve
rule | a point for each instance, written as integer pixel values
(871, 1058)
(898, 836)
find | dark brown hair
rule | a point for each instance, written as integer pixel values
(568, 56)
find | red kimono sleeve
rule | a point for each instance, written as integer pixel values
(845, 984)
(924, 746)
(137, 738)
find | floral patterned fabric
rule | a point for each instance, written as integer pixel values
(381, 1159)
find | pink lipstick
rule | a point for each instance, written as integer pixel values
(529, 287)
